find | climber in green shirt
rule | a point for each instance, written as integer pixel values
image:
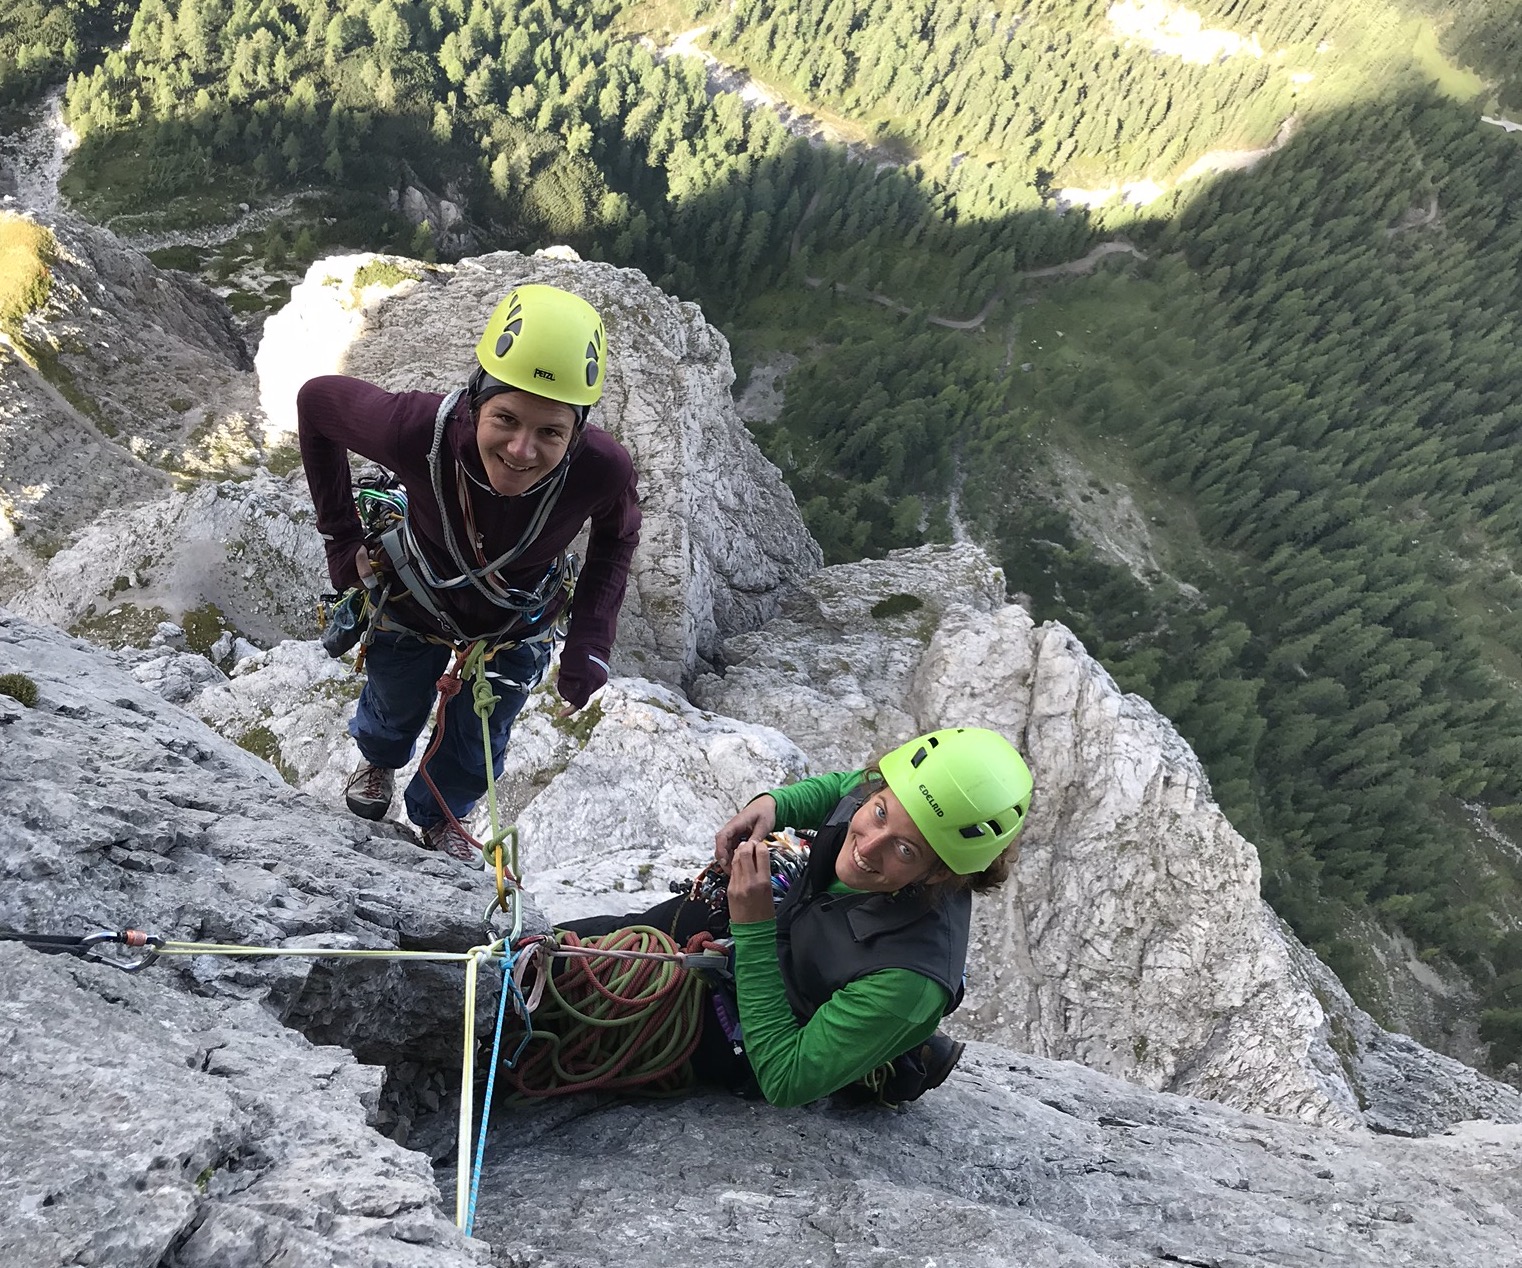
(855, 967)
(866, 1023)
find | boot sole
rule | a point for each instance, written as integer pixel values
(367, 810)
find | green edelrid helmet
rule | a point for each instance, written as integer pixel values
(966, 789)
(545, 340)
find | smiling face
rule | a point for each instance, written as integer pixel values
(883, 850)
(522, 438)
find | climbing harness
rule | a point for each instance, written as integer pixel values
(354, 617)
(381, 502)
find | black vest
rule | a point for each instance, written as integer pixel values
(825, 941)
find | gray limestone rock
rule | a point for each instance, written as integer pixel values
(1016, 1160)
(178, 676)
(105, 414)
(245, 548)
(146, 1125)
(186, 1109)
(199, 1113)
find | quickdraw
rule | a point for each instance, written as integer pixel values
(93, 946)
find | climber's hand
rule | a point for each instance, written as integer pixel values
(750, 884)
(751, 824)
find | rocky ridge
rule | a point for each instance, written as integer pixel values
(1133, 939)
(139, 374)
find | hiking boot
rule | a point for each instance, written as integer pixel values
(368, 792)
(447, 837)
(939, 1055)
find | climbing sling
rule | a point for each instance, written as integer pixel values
(401, 552)
(403, 570)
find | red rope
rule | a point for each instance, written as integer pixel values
(448, 686)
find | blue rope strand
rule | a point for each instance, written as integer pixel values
(520, 1007)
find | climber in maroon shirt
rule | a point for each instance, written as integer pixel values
(499, 478)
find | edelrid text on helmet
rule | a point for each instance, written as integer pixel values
(966, 789)
(545, 340)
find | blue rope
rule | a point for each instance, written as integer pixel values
(520, 1007)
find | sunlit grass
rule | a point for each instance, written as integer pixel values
(26, 251)
(659, 19)
(1455, 81)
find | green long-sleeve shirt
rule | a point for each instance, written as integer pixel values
(865, 1023)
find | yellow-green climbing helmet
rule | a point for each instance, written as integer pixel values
(967, 790)
(546, 340)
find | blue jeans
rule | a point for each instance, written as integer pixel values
(399, 697)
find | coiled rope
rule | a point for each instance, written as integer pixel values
(622, 1014)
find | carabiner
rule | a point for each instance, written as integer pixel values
(133, 939)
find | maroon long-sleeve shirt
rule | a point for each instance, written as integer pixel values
(337, 416)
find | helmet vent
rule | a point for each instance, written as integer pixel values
(920, 754)
(592, 364)
(973, 831)
(510, 332)
(993, 826)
